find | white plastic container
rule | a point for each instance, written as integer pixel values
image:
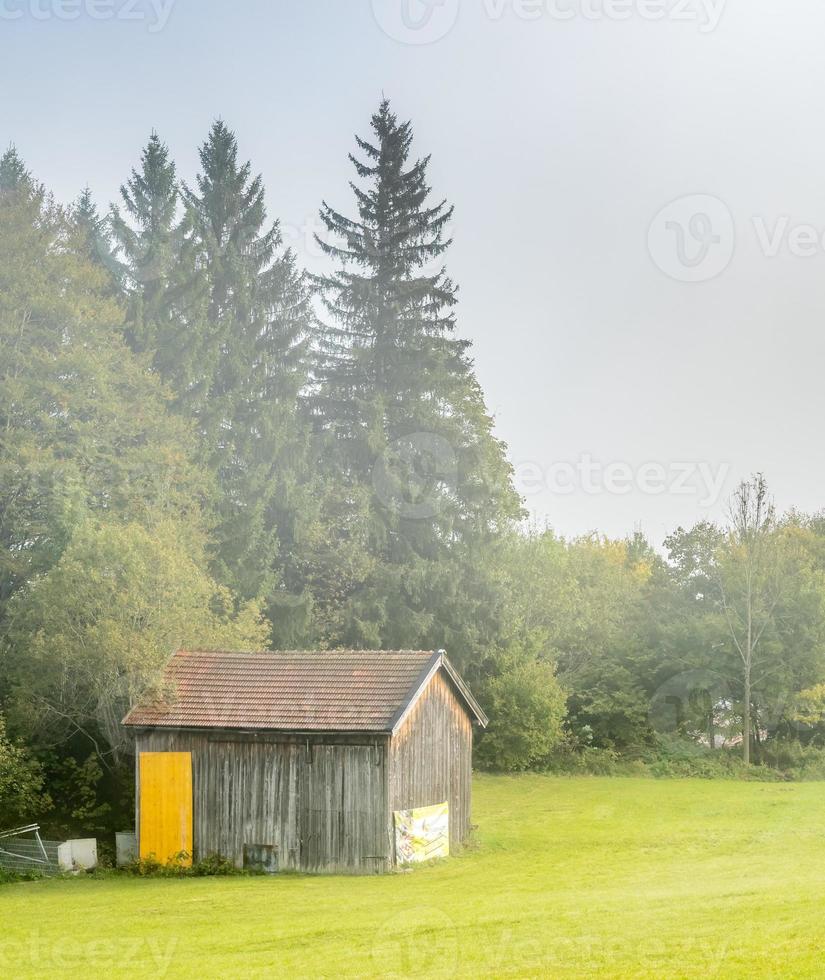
(78, 855)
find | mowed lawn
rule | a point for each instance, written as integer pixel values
(569, 878)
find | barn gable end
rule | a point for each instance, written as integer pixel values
(430, 756)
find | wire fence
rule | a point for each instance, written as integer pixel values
(21, 852)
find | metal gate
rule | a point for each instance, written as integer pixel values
(19, 852)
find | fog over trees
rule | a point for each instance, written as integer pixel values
(202, 444)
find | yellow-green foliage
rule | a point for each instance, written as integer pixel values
(810, 706)
(617, 878)
(92, 633)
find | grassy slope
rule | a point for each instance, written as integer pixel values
(572, 878)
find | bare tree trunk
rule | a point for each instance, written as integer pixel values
(751, 548)
(748, 659)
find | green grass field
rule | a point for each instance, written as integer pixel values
(568, 878)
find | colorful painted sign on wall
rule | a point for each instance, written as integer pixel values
(422, 834)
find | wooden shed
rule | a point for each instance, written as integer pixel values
(309, 761)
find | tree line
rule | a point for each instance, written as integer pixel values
(203, 444)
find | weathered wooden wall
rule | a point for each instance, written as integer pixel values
(431, 757)
(321, 800)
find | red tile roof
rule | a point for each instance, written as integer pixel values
(348, 690)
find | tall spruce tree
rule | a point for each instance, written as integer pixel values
(92, 239)
(251, 334)
(13, 174)
(392, 324)
(398, 396)
(147, 235)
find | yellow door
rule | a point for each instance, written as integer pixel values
(166, 806)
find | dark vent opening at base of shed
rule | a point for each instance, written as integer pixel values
(261, 857)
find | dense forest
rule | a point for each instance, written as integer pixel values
(202, 444)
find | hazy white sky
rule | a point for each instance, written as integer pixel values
(639, 358)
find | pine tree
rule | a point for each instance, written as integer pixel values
(399, 399)
(251, 336)
(392, 322)
(148, 240)
(92, 239)
(13, 173)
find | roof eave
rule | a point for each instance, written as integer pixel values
(480, 717)
(250, 730)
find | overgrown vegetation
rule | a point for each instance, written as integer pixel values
(15, 877)
(21, 783)
(211, 866)
(679, 758)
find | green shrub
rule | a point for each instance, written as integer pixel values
(526, 706)
(671, 757)
(571, 759)
(213, 865)
(796, 760)
(10, 877)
